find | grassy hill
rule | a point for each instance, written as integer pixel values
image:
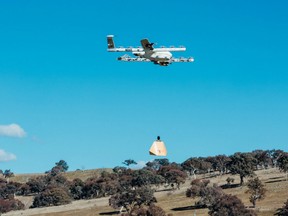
(174, 202)
(82, 174)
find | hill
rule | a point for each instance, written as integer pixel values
(174, 202)
(70, 175)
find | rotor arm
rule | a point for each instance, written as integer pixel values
(181, 59)
(132, 59)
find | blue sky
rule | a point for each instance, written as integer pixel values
(62, 96)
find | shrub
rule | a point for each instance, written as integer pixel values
(10, 204)
(207, 194)
(7, 190)
(51, 197)
(133, 198)
(151, 210)
(230, 180)
(76, 188)
(229, 205)
(256, 190)
(282, 211)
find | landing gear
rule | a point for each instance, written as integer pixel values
(163, 63)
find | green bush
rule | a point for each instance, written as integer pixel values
(52, 197)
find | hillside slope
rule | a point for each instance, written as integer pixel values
(176, 202)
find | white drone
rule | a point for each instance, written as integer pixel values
(147, 53)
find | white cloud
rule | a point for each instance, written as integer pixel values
(12, 130)
(6, 156)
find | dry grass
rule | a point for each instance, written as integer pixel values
(85, 174)
(82, 174)
(176, 202)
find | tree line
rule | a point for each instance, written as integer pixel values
(134, 190)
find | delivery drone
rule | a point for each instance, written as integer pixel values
(158, 148)
(147, 53)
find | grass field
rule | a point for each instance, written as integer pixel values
(174, 202)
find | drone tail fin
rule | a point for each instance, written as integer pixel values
(110, 42)
(146, 44)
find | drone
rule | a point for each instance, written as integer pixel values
(147, 53)
(158, 148)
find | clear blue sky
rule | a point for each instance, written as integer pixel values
(62, 96)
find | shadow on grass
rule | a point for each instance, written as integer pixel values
(166, 189)
(280, 180)
(185, 208)
(109, 213)
(278, 177)
(226, 186)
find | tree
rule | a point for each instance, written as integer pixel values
(57, 181)
(262, 158)
(119, 169)
(59, 167)
(52, 197)
(129, 162)
(125, 179)
(147, 177)
(157, 163)
(152, 210)
(106, 184)
(207, 195)
(229, 205)
(241, 164)
(41, 183)
(7, 205)
(8, 173)
(221, 163)
(274, 155)
(192, 165)
(162, 161)
(133, 198)
(256, 189)
(283, 211)
(63, 164)
(56, 170)
(172, 175)
(282, 162)
(24, 190)
(76, 188)
(7, 190)
(205, 165)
